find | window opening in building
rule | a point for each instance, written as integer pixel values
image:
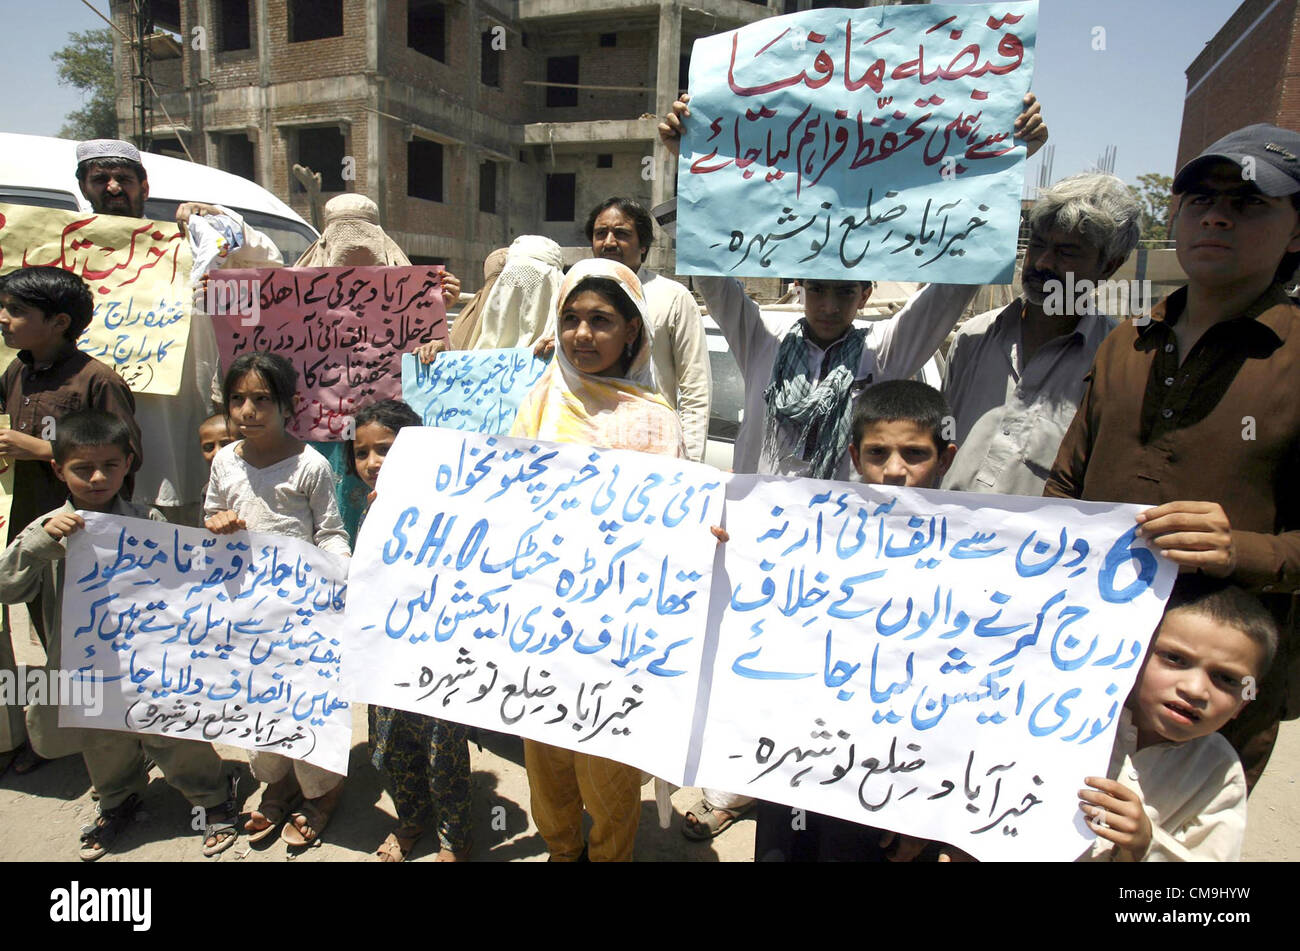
(322, 150)
(561, 192)
(605, 160)
(489, 62)
(561, 69)
(609, 39)
(426, 28)
(487, 187)
(235, 30)
(314, 20)
(424, 169)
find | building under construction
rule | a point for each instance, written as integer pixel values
(468, 122)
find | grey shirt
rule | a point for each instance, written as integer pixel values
(1011, 416)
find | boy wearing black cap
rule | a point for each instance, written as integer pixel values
(1196, 410)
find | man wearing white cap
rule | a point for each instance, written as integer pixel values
(113, 179)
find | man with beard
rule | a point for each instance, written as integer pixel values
(1015, 376)
(172, 475)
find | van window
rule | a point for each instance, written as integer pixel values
(37, 197)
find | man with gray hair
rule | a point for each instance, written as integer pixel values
(1015, 377)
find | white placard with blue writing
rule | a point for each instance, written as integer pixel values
(474, 390)
(553, 591)
(946, 665)
(232, 639)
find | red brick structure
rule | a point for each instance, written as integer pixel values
(1249, 72)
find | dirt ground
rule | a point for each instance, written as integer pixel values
(41, 813)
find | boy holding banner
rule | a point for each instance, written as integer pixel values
(93, 452)
(897, 439)
(42, 312)
(1196, 410)
(802, 375)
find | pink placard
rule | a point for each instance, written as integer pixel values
(344, 330)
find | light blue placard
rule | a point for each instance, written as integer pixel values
(864, 144)
(472, 390)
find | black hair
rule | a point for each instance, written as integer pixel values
(645, 226)
(90, 428)
(108, 164)
(278, 373)
(52, 290)
(393, 415)
(908, 400)
(1230, 605)
(609, 289)
(866, 285)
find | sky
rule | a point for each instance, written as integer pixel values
(1129, 95)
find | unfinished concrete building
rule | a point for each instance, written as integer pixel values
(466, 121)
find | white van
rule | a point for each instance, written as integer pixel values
(42, 171)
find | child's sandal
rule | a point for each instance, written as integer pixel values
(219, 825)
(98, 837)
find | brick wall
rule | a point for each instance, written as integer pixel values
(1258, 81)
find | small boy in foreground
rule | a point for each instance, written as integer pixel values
(92, 455)
(898, 439)
(1214, 644)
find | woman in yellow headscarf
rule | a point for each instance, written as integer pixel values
(599, 391)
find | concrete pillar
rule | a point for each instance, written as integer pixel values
(664, 185)
(266, 141)
(376, 183)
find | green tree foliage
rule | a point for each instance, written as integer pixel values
(86, 63)
(1152, 193)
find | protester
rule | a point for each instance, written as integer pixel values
(268, 481)
(425, 760)
(93, 452)
(43, 311)
(466, 329)
(353, 237)
(1196, 411)
(802, 375)
(521, 305)
(1175, 790)
(114, 181)
(1015, 375)
(897, 438)
(599, 391)
(620, 229)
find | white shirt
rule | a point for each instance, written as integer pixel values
(1194, 794)
(895, 349)
(681, 356)
(293, 497)
(1011, 416)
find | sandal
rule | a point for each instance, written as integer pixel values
(28, 761)
(315, 815)
(705, 822)
(397, 847)
(274, 808)
(450, 855)
(98, 837)
(219, 830)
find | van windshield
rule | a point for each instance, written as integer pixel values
(291, 237)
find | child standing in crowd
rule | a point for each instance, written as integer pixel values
(268, 481)
(1175, 790)
(93, 452)
(599, 391)
(897, 439)
(43, 310)
(425, 760)
(214, 435)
